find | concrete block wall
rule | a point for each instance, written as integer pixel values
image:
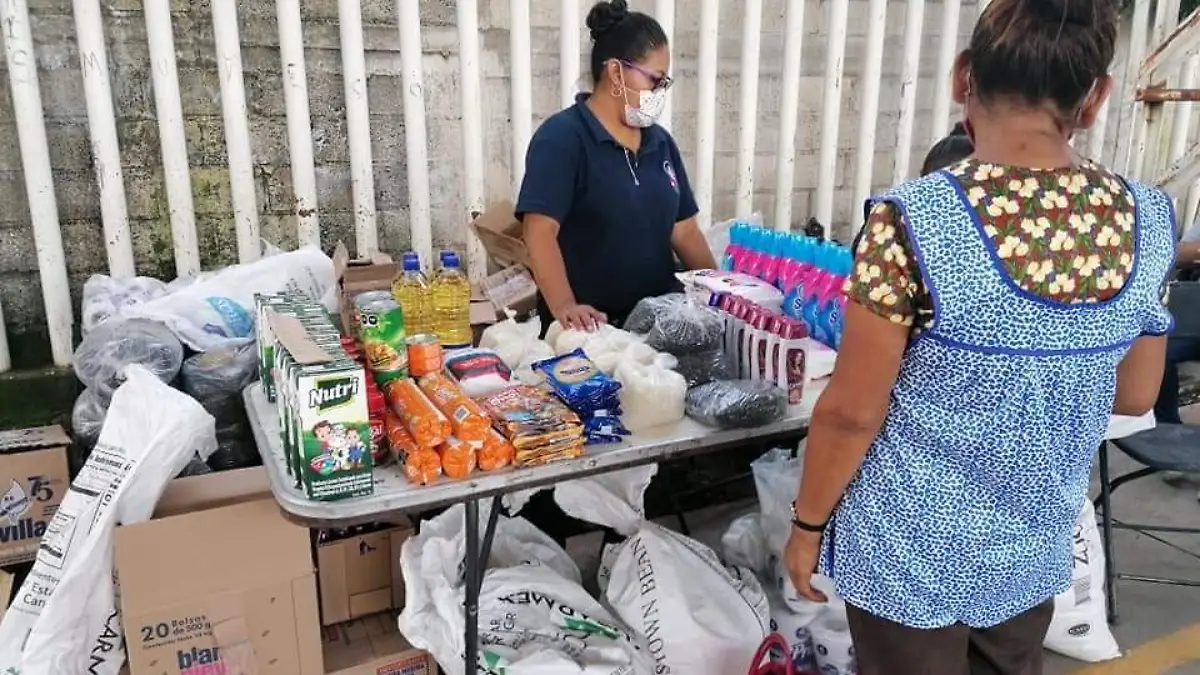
(78, 202)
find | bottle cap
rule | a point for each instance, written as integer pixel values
(411, 262)
(449, 259)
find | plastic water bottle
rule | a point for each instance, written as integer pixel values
(410, 288)
(450, 303)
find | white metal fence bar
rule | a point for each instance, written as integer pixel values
(171, 136)
(299, 125)
(831, 111)
(416, 150)
(39, 181)
(951, 10)
(706, 114)
(568, 50)
(868, 121)
(1138, 36)
(358, 126)
(102, 129)
(910, 76)
(467, 13)
(5, 357)
(789, 113)
(237, 130)
(521, 80)
(664, 11)
(748, 108)
(1181, 125)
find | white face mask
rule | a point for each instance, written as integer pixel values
(649, 108)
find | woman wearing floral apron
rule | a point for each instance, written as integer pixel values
(1000, 311)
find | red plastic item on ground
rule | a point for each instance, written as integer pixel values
(763, 664)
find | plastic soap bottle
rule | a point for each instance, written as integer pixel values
(410, 288)
(450, 303)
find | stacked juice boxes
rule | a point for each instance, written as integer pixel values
(322, 397)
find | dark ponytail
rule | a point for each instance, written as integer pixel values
(1043, 50)
(620, 34)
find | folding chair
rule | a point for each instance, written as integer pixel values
(1167, 447)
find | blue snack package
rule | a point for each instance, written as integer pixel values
(579, 383)
(604, 426)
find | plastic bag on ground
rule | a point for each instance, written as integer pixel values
(744, 544)
(641, 319)
(105, 297)
(832, 644)
(205, 314)
(650, 396)
(87, 418)
(686, 328)
(697, 616)
(796, 629)
(534, 616)
(101, 359)
(66, 619)
(221, 373)
(777, 476)
(736, 404)
(1080, 628)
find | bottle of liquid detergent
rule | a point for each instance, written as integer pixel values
(773, 257)
(816, 288)
(735, 250)
(831, 313)
(450, 303)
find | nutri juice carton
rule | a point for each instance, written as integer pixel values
(325, 423)
(333, 427)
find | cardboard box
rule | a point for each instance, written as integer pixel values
(227, 590)
(511, 288)
(356, 276)
(33, 479)
(373, 646)
(212, 490)
(361, 575)
(6, 588)
(501, 234)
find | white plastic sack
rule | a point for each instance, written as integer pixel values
(531, 596)
(66, 620)
(832, 643)
(796, 629)
(1079, 628)
(650, 395)
(744, 544)
(777, 482)
(206, 313)
(697, 616)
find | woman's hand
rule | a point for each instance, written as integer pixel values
(580, 317)
(800, 557)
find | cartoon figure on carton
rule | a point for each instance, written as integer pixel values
(356, 450)
(334, 448)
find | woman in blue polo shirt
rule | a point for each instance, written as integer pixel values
(605, 200)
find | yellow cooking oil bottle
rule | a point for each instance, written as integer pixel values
(450, 303)
(410, 288)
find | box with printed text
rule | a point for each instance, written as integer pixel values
(33, 480)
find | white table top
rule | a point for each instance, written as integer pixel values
(395, 494)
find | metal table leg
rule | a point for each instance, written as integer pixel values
(477, 555)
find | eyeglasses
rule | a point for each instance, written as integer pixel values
(656, 81)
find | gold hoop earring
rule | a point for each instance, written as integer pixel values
(616, 90)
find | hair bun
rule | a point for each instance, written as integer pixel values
(605, 15)
(960, 129)
(1080, 12)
